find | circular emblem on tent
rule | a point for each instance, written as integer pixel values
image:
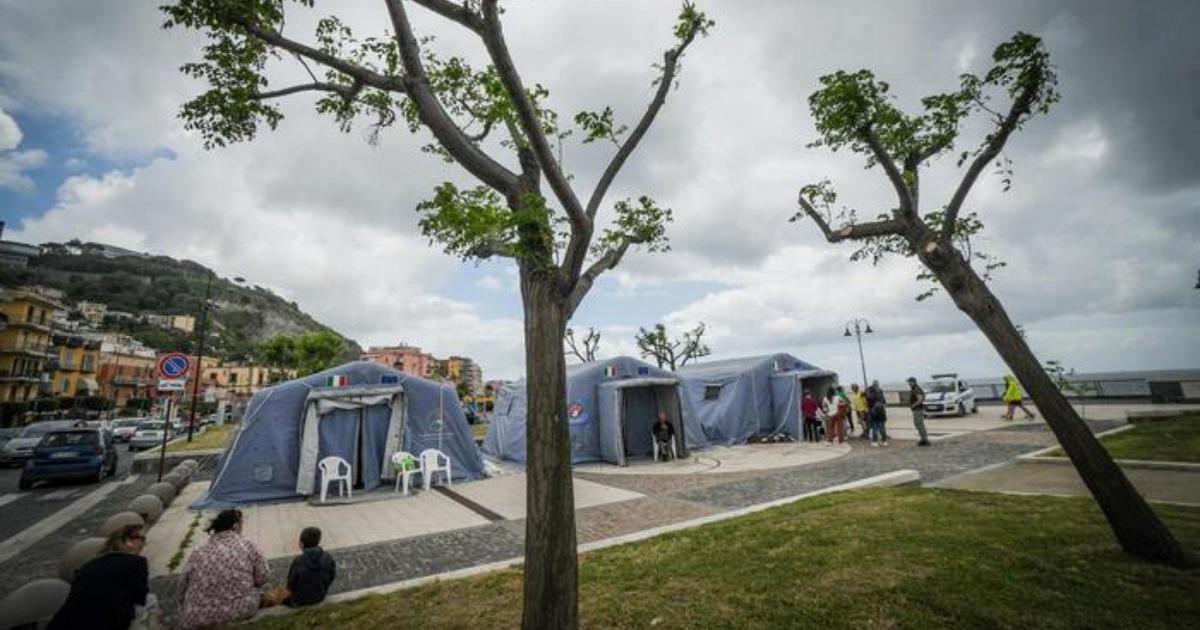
(577, 412)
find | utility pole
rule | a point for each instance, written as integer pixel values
(199, 357)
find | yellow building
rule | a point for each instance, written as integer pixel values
(73, 364)
(24, 341)
(244, 379)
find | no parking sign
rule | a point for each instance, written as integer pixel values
(174, 366)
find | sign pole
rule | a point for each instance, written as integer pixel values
(162, 452)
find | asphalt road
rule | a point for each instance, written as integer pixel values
(21, 509)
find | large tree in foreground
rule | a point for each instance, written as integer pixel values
(855, 111)
(499, 129)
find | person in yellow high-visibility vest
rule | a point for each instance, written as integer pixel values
(1012, 397)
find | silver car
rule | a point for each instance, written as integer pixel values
(123, 430)
(149, 435)
(18, 450)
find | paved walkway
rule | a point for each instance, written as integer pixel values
(1174, 486)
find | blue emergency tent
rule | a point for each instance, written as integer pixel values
(611, 408)
(750, 397)
(362, 412)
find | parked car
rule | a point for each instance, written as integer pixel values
(8, 433)
(948, 395)
(124, 429)
(19, 449)
(149, 434)
(76, 453)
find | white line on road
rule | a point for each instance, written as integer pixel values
(8, 498)
(58, 495)
(44, 527)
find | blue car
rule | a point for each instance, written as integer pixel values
(71, 454)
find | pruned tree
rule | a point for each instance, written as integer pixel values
(499, 129)
(856, 111)
(672, 353)
(583, 349)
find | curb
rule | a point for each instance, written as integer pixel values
(895, 478)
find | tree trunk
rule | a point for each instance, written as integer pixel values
(551, 574)
(1138, 530)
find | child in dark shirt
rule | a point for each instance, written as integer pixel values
(311, 572)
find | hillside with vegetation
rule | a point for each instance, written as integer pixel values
(241, 316)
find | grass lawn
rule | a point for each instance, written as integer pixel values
(1171, 440)
(479, 431)
(213, 437)
(879, 558)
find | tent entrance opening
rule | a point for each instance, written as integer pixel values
(640, 407)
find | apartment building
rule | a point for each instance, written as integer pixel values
(25, 341)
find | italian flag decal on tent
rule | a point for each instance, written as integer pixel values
(610, 371)
(337, 380)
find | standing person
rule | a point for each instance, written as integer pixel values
(311, 573)
(875, 418)
(858, 402)
(875, 397)
(808, 411)
(107, 588)
(833, 408)
(848, 415)
(916, 402)
(1012, 397)
(223, 579)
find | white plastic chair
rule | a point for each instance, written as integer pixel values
(432, 462)
(403, 475)
(672, 449)
(331, 470)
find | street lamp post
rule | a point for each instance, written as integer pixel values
(199, 358)
(861, 326)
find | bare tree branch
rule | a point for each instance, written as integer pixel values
(347, 91)
(454, 12)
(889, 166)
(357, 72)
(670, 66)
(493, 39)
(590, 344)
(451, 137)
(607, 261)
(853, 231)
(995, 144)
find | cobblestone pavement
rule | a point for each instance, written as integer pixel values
(383, 563)
(617, 519)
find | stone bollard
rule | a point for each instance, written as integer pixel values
(148, 505)
(34, 604)
(194, 464)
(178, 480)
(119, 520)
(182, 471)
(164, 490)
(78, 555)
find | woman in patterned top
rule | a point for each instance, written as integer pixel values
(223, 579)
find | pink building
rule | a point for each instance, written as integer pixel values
(407, 359)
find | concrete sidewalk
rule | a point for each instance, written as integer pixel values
(1062, 480)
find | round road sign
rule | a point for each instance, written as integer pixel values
(174, 365)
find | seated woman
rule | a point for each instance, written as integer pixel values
(664, 434)
(107, 589)
(223, 579)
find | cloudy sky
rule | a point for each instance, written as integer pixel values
(1101, 231)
